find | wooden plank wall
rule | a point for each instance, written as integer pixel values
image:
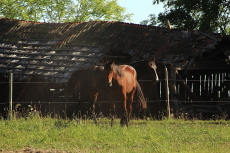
(207, 86)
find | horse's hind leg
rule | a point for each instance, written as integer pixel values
(77, 98)
(91, 109)
(92, 101)
(129, 105)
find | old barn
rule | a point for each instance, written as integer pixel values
(193, 66)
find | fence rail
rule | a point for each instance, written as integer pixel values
(101, 102)
(160, 80)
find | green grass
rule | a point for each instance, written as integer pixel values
(166, 136)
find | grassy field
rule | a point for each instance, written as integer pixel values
(167, 136)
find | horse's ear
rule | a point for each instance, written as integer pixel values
(105, 60)
(113, 60)
(152, 58)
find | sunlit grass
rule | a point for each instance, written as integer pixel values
(140, 136)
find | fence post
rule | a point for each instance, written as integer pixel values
(10, 113)
(167, 92)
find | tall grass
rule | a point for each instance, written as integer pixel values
(141, 136)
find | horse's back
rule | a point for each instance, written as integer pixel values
(129, 69)
(85, 79)
(130, 75)
(93, 77)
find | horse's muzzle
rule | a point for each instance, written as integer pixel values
(110, 84)
(155, 81)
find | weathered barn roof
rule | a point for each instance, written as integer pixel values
(54, 50)
(38, 57)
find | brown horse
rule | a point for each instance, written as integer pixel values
(90, 81)
(85, 84)
(122, 83)
(146, 67)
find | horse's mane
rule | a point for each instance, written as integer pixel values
(137, 62)
(118, 70)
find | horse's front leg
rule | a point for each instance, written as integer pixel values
(124, 119)
(112, 108)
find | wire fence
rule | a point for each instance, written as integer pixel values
(147, 100)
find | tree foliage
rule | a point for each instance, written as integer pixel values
(63, 10)
(209, 15)
(151, 21)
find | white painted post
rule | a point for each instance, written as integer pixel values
(10, 95)
(167, 92)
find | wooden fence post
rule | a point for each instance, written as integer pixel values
(10, 113)
(167, 92)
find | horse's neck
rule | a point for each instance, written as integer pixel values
(139, 69)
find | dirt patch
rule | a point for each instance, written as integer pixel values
(33, 150)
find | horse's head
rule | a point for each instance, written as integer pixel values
(151, 70)
(109, 69)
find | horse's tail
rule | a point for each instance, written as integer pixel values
(141, 98)
(72, 83)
